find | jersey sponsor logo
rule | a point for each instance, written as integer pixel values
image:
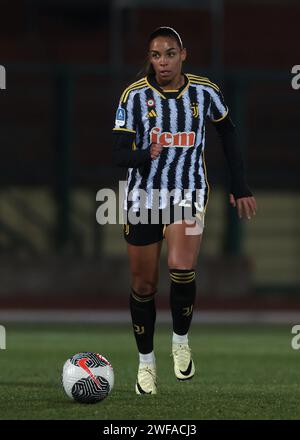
(167, 139)
(120, 117)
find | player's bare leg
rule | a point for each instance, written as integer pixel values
(184, 241)
(144, 266)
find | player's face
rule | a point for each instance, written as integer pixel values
(166, 58)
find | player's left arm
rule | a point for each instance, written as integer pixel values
(241, 196)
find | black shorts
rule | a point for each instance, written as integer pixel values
(142, 234)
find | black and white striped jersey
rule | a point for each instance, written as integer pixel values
(175, 119)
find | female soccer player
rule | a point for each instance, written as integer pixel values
(159, 135)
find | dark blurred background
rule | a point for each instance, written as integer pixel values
(67, 63)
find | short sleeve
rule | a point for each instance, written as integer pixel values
(125, 114)
(217, 109)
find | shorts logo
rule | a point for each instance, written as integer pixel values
(120, 117)
(167, 139)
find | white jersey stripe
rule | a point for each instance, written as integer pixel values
(188, 127)
(171, 151)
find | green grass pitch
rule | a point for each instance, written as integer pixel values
(242, 372)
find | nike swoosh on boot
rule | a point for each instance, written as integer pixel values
(188, 370)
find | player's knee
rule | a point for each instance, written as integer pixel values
(144, 288)
(174, 263)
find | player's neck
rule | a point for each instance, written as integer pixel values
(174, 84)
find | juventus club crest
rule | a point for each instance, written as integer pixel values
(195, 109)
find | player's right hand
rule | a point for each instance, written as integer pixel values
(155, 150)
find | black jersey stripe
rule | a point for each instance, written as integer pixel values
(206, 102)
(164, 154)
(148, 95)
(206, 197)
(168, 174)
(129, 106)
(152, 119)
(132, 180)
(139, 122)
(179, 159)
(190, 156)
(181, 115)
(199, 181)
(137, 114)
(188, 126)
(205, 98)
(150, 182)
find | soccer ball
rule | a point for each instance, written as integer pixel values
(88, 377)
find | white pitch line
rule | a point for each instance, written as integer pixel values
(122, 316)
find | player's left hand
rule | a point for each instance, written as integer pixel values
(246, 206)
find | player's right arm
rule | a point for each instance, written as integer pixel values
(124, 154)
(124, 150)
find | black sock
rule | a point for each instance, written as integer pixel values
(182, 298)
(143, 315)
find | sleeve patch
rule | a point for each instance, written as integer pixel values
(120, 117)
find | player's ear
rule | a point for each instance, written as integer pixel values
(183, 54)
